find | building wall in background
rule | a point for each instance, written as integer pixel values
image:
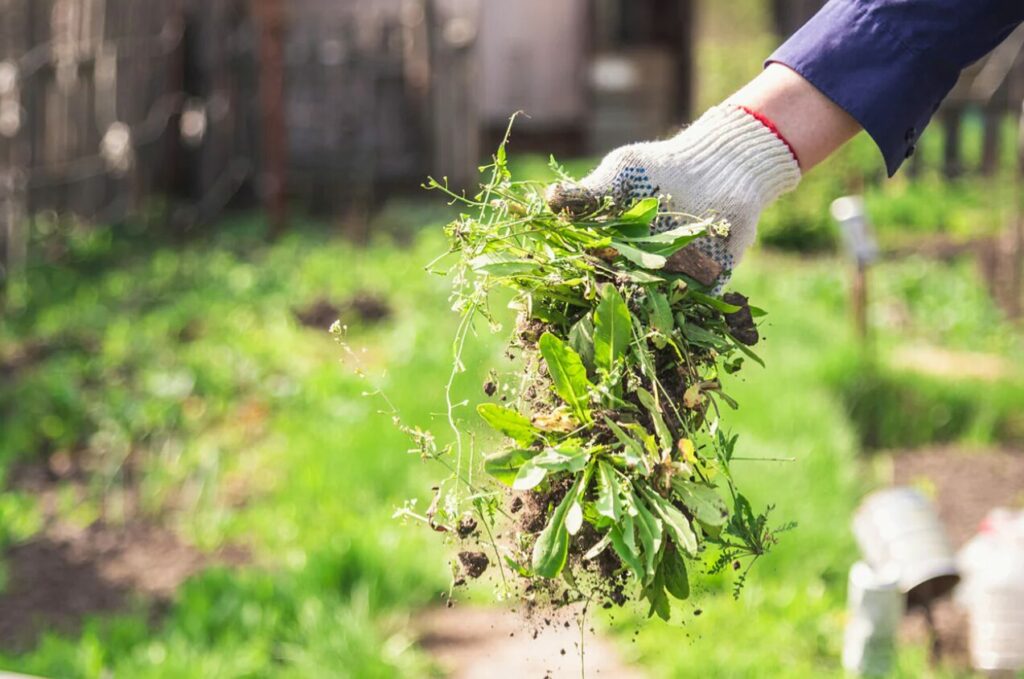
(533, 57)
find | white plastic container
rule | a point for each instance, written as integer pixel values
(875, 606)
(993, 592)
(898, 529)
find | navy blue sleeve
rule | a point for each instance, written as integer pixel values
(889, 63)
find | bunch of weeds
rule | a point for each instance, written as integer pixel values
(613, 430)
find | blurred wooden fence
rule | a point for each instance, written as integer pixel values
(106, 105)
(86, 95)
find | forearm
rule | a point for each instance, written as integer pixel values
(811, 122)
(889, 63)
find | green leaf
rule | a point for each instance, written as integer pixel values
(747, 350)
(655, 593)
(643, 212)
(608, 501)
(517, 567)
(714, 302)
(623, 229)
(627, 552)
(568, 375)
(704, 338)
(686, 231)
(642, 258)
(561, 459)
(497, 264)
(581, 339)
(574, 518)
(650, 529)
(663, 244)
(508, 422)
(660, 313)
(676, 524)
(648, 401)
(611, 329)
(633, 449)
(506, 465)
(529, 476)
(552, 546)
(703, 502)
(673, 572)
(642, 277)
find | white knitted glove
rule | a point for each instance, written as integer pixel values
(728, 165)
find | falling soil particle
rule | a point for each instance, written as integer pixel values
(466, 527)
(481, 643)
(741, 323)
(474, 563)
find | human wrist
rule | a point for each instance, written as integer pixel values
(812, 123)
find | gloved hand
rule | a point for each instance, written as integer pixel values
(728, 165)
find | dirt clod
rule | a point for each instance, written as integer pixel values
(695, 264)
(467, 526)
(741, 323)
(474, 563)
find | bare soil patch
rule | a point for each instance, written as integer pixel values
(965, 484)
(67, 572)
(483, 643)
(363, 307)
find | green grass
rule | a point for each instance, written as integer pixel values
(192, 359)
(249, 400)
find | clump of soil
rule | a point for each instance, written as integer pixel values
(536, 505)
(467, 527)
(474, 563)
(741, 323)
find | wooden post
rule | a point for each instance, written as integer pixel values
(951, 152)
(859, 300)
(12, 223)
(455, 116)
(1015, 294)
(993, 118)
(270, 20)
(859, 241)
